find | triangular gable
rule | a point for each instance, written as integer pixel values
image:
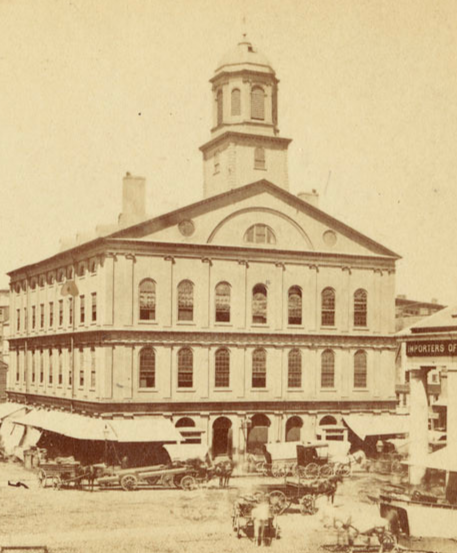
(228, 204)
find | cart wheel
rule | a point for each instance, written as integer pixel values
(387, 541)
(312, 471)
(188, 483)
(129, 482)
(326, 471)
(41, 478)
(307, 505)
(56, 482)
(343, 470)
(259, 466)
(278, 501)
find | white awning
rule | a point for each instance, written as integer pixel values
(184, 452)
(377, 425)
(80, 427)
(145, 429)
(11, 435)
(7, 409)
(283, 450)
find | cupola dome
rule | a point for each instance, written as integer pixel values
(245, 54)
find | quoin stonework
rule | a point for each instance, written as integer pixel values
(249, 316)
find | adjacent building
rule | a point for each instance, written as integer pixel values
(248, 316)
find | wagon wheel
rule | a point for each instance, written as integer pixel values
(259, 466)
(41, 478)
(344, 470)
(326, 471)
(129, 482)
(312, 471)
(307, 505)
(387, 541)
(167, 480)
(278, 501)
(188, 482)
(56, 482)
(300, 471)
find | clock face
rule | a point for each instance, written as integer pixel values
(186, 227)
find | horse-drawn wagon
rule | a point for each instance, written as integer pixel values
(308, 461)
(68, 473)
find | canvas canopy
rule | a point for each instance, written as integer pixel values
(183, 452)
(7, 409)
(80, 427)
(377, 425)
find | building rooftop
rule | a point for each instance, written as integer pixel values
(245, 54)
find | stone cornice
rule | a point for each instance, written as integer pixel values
(206, 338)
(240, 136)
(249, 406)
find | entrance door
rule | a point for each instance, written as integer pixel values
(222, 437)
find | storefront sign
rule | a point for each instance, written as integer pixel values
(432, 348)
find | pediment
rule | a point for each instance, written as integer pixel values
(225, 220)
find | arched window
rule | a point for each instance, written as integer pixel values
(185, 422)
(147, 368)
(185, 368)
(259, 368)
(259, 304)
(257, 103)
(360, 308)
(328, 369)
(220, 107)
(294, 369)
(259, 158)
(295, 306)
(222, 368)
(147, 300)
(223, 302)
(236, 101)
(260, 234)
(293, 429)
(360, 369)
(185, 301)
(328, 307)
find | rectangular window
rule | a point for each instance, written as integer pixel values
(18, 319)
(81, 367)
(41, 367)
(60, 374)
(94, 307)
(51, 314)
(25, 319)
(18, 366)
(42, 315)
(70, 311)
(92, 368)
(33, 316)
(33, 366)
(51, 368)
(82, 312)
(70, 367)
(60, 312)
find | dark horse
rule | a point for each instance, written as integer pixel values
(224, 471)
(88, 474)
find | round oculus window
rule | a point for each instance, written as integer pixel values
(186, 227)
(329, 238)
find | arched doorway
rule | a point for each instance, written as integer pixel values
(258, 433)
(222, 437)
(293, 429)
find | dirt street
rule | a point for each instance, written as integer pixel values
(166, 521)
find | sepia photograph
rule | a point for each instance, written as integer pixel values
(228, 310)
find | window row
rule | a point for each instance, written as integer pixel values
(257, 104)
(58, 365)
(185, 359)
(259, 304)
(60, 313)
(59, 276)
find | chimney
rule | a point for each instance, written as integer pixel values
(311, 198)
(133, 200)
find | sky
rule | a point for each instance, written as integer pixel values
(368, 93)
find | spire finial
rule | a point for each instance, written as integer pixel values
(244, 29)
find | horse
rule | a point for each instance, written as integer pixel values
(224, 471)
(86, 473)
